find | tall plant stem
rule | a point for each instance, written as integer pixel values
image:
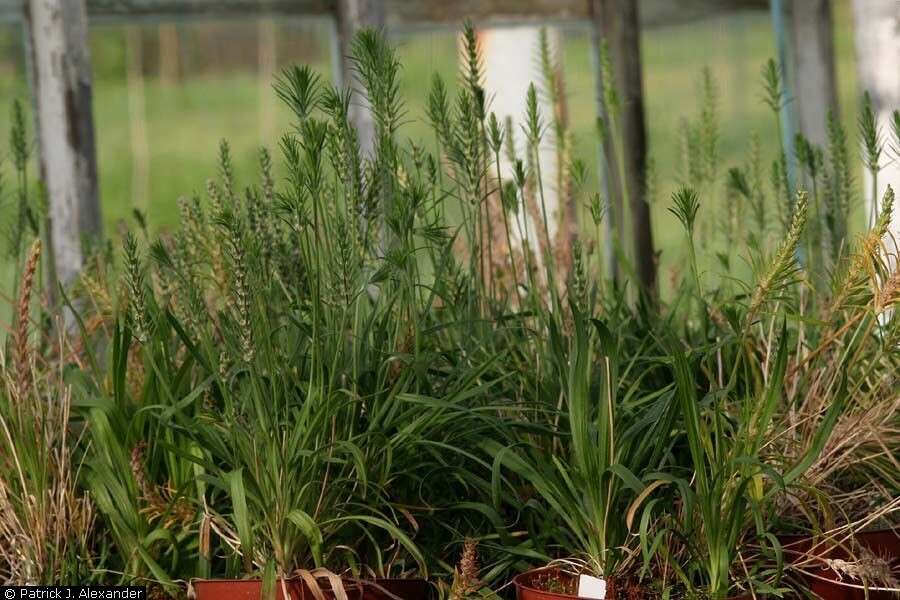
(874, 216)
(549, 266)
(484, 163)
(479, 240)
(523, 235)
(512, 259)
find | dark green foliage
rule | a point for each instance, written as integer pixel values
(344, 367)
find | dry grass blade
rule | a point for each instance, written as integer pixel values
(45, 520)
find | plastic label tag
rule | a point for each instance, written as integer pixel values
(591, 587)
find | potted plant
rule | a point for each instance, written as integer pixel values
(726, 495)
(727, 490)
(844, 542)
(48, 522)
(299, 359)
(589, 476)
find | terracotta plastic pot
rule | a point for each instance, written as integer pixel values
(830, 585)
(251, 589)
(248, 589)
(405, 589)
(527, 587)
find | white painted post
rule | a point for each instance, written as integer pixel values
(878, 66)
(61, 80)
(511, 58)
(353, 15)
(812, 41)
(787, 116)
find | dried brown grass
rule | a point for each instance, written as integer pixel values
(852, 360)
(45, 520)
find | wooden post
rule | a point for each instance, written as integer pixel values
(613, 224)
(812, 40)
(137, 118)
(168, 54)
(353, 15)
(61, 79)
(267, 48)
(619, 23)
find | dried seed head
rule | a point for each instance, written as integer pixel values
(465, 578)
(889, 293)
(468, 563)
(137, 466)
(22, 355)
(868, 568)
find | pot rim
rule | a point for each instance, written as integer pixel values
(236, 580)
(259, 579)
(518, 581)
(792, 542)
(794, 537)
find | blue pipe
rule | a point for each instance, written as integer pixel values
(788, 120)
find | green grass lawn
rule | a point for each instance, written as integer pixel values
(184, 122)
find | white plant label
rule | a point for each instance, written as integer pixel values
(591, 587)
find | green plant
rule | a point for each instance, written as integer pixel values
(730, 488)
(328, 369)
(610, 435)
(273, 357)
(46, 521)
(851, 359)
(739, 397)
(871, 136)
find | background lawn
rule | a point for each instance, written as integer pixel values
(220, 94)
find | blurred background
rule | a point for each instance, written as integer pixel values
(165, 93)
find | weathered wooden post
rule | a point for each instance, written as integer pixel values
(812, 45)
(169, 52)
(353, 15)
(613, 224)
(61, 86)
(617, 22)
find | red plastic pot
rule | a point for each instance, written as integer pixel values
(251, 589)
(386, 589)
(527, 587)
(247, 589)
(830, 585)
